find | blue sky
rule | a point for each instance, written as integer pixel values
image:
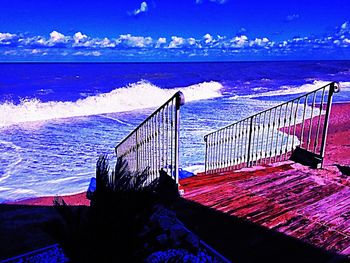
(182, 30)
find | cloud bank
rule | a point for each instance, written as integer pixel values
(56, 46)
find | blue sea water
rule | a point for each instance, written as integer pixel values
(56, 119)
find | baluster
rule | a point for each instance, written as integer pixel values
(319, 120)
(303, 122)
(283, 132)
(311, 117)
(289, 129)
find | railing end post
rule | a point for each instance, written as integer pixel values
(180, 99)
(206, 154)
(335, 87)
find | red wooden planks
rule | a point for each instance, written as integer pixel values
(299, 203)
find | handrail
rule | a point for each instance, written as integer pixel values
(154, 144)
(265, 137)
(306, 94)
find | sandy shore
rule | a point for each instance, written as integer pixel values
(338, 142)
(75, 199)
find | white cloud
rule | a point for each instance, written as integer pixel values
(214, 1)
(38, 52)
(242, 30)
(106, 43)
(57, 37)
(79, 37)
(85, 41)
(11, 53)
(191, 41)
(292, 17)
(344, 26)
(346, 41)
(219, 1)
(239, 41)
(259, 42)
(143, 8)
(41, 41)
(88, 53)
(208, 38)
(6, 38)
(79, 44)
(96, 53)
(161, 41)
(134, 41)
(176, 42)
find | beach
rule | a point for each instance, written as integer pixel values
(337, 153)
(35, 215)
(73, 200)
(52, 135)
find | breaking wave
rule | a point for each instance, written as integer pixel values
(291, 90)
(140, 95)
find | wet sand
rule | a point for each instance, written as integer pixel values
(75, 199)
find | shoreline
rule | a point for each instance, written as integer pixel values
(337, 149)
(78, 199)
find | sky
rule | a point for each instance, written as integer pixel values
(181, 30)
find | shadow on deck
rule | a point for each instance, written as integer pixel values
(287, 213)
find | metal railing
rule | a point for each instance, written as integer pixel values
(154, 144)
(272, 135)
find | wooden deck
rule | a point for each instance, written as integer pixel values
(309, 205)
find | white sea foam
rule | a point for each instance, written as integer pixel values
(198, 168)
(13, 156)
(24, 191)
(142, 94)
(57, 181)
(115, 119)
(290, 90)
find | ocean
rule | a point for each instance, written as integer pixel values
(57, 118)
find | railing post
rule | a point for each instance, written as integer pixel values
(206, 154)
(249, 140)
(334, 88)
(180, 100)
(137, 151)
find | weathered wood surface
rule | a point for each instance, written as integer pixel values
(300, 203)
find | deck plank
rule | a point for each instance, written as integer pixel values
(299, 203)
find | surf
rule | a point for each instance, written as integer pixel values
(135, 96)
(295, 90)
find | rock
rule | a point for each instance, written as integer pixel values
(192, 241)
(178, 233)
(163, 218)
(173, 232)
(163, 239)
(167, 222)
